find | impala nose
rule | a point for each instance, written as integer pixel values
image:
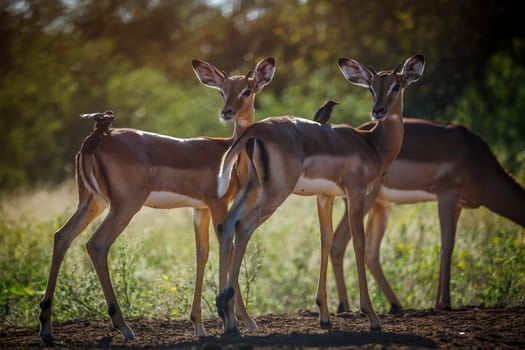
(378, 113)
(227, 114)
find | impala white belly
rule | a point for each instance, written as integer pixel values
(405, 196)
(309, 187)
(168, 200)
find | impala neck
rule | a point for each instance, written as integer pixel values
(387, 135)
(243, 121)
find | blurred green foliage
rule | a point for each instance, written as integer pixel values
(61, 58)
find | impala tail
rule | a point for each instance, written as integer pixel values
(86, 162)
(250, 158)
(257, 156)
(225, 171)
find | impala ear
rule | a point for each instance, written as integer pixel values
(263, 73)
(412, 70)
(208, 74)
(355, 72)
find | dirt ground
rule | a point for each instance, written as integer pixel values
(468, 327)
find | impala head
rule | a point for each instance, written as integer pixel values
(386, 87)
(238, 91)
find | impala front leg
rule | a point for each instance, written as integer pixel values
(201, 222)
(325, 206)
(355, 215)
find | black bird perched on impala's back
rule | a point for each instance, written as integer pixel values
(102, 129)
(324, 112)
(103, 120)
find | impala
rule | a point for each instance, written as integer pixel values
(283, 155)
(443, 162)
(126, 169)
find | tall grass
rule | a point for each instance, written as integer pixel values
(153, 262)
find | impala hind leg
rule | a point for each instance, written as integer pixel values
(243, 227)
(87, 210)
(225, 253)
(225, 244)
(98, 248)
(340, 241)
(375, 231)
(325, 206)
(226, 296)
(241, 312)
(226, 299)
(448, 219)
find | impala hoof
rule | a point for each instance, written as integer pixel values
(395, 309)
(127, 333)
(47, 339)
(44, 333)
(199, 332)
(375, 328)
(342, 308)
(445, 307)
(232, 332)
(251, 325)
(325, 324)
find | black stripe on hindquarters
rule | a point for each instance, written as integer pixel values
(250, 148)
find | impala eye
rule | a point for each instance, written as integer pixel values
(247, 92)
(395, 88)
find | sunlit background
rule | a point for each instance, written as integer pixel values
(61, 58)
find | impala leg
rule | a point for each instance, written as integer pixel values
(448, 218)
(87, 210)
(325, 206)
(341, 239)
(98, 248)
(201, 223)
(241, 312)
(225, 252)
(225, 298)
(225, 246)
(355, 214)
(375, 231)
